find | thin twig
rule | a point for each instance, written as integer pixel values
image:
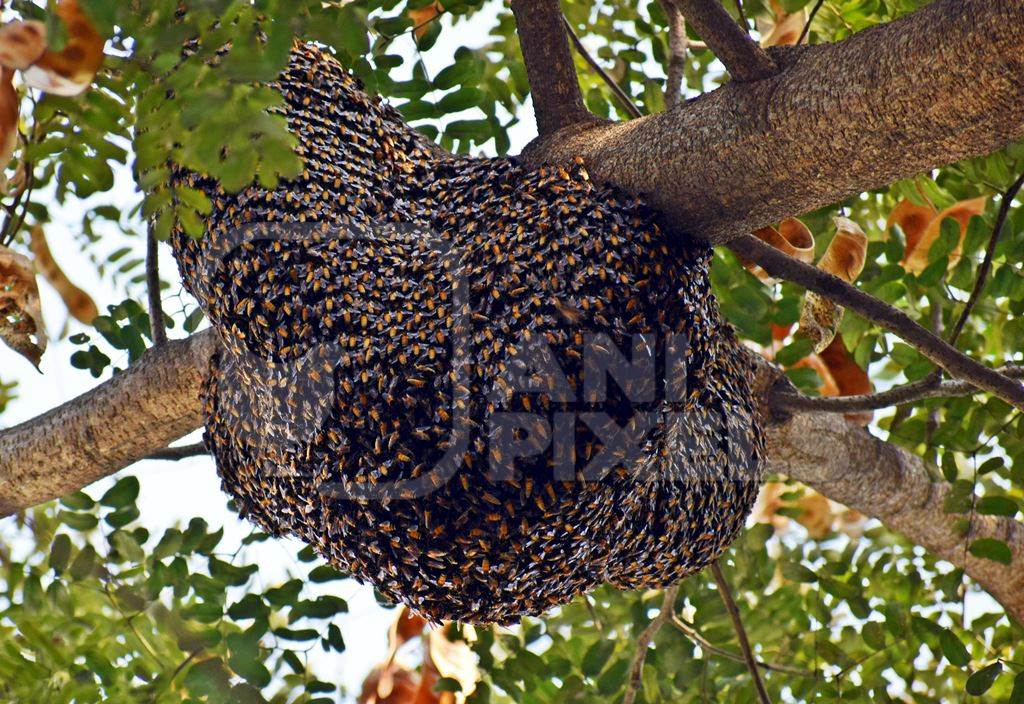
(156, 307)
(182, 452)
(696, 636)
(928, 387)
(986, 264)
(742, 16)
(620, 94)
(643, 642)
(955, 362)
(743, 57)
(677, 44)
(725, 592)
(810, 18)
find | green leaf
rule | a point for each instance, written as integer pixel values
(1017, 695)
(60, 553)
(953, 648)
(982, 680)
(597, 656)
(991, 549)
(874, 635)
(84, 564)
(997, 506)
(124, 492)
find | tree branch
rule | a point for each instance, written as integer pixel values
(743, 57)
(643, 642)
(849, 465)
(725, 591)
(557, 101)
(156, 306)
(837, 120)
(928, 387)
(121, 421)
(180, 452)
(706, 645)
(986, 264)
(620, 94)
(959, 365)
(677, 45)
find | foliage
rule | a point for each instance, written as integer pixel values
(98, 609)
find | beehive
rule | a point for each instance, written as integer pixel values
(372, 310)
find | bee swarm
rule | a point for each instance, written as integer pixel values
(350, 355)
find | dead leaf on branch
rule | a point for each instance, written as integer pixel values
(920, 240)
(392, 682)
(79, 304)
(820, 317)
(848, 377)
(21, 318)
(784, 28)
(791, 237)
(780, 505)
(25, 46)
(9, 113)
(421, 18)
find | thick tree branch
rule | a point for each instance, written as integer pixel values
(959, 365)
(138, 412)
(743, 57)
(155, 402)
(557, 101)
(936, 86)
(882, 480)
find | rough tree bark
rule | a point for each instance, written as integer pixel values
(937, 86)
(934, 87)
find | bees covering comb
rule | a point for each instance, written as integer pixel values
(375, 397)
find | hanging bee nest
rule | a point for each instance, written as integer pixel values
(484, 389)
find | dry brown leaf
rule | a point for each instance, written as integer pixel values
(22, 44)
(21, 318)
(820, 317)
(828, 386)
(845, 254)
(915, 258)
(453, 659)
(78, 302)
(392, 685)
(70, 70)
(912, 218)
(784, 28)
(422, 16)
(8, 121)
(849, 378)
(816, 514)
(791, 237)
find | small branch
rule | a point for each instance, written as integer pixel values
(928, 387)
(620, 94)
(643, 642)
(156, 308)
(986, 264)
(706, 645)
(741, 15)
(557, 100)
(742, 56)
(182, 452)
(741, 633)
(677, 45)
(810, 18)
(956, 363)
